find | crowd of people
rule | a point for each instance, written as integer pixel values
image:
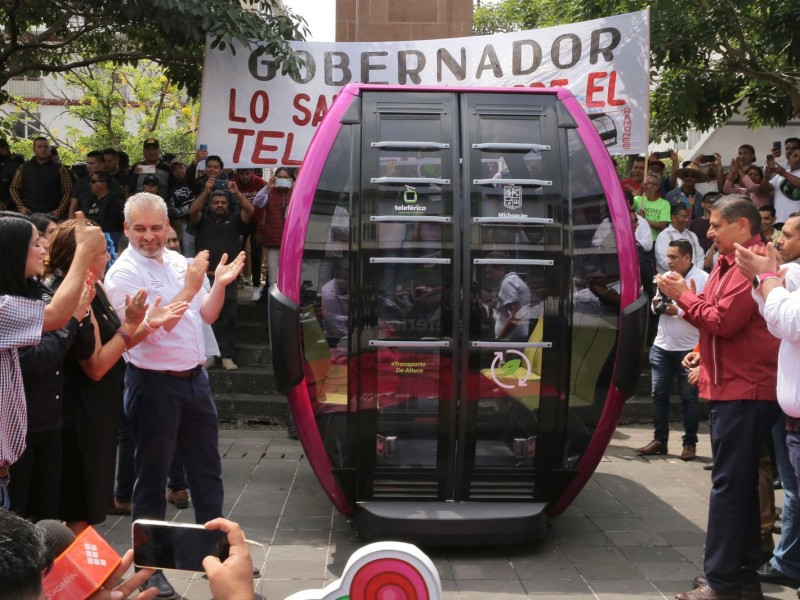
(117, 292)
(725, 261)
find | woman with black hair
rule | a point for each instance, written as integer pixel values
(23, 317)
(36, 476)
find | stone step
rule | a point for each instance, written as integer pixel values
(252, 409)
(251, 312)
(253, 355)
(251, 332)
(245, 380)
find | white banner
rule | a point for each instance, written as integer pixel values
(251, 115)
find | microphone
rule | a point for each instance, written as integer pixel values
(81, 567)
(57, 537)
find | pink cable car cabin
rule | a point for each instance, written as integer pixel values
(458, 318)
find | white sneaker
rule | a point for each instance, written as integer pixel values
(256, 295)
(228, 364)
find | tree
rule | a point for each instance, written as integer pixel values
(709, 59)
(122, 105)
(57, 36)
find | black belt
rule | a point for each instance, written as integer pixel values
(792, 424)
(187, 374)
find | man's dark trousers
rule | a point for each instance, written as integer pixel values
(225, 325)
(166, 412)
(739, 429)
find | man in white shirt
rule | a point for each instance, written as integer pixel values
(674, 339)
(167, 396)
(777, 293)
(678, 229)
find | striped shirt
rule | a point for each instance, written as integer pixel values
(21, 322)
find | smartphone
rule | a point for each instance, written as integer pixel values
(182, 546)
(220, 184)
(283, 182)
(708, 158)
(770, 159)
(203, 147)
(664, 154)
(147, 169)
(776, 146)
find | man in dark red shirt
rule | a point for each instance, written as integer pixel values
(739, 363)
(249, 185)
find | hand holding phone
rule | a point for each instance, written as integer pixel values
(183, 546)
(770, 160)
(233, 577)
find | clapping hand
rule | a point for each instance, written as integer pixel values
(226, 274)
(136, 308)
(161, 316)
(87, 295)
(196, 273)
(752, 262)
(88, 236)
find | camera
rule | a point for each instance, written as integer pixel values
(660, 307)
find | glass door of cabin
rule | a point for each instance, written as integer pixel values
(459, 327)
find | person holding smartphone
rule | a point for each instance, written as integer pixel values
(274, 199)
(150, 165)
(786, 183)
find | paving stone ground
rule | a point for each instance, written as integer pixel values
(636, 530)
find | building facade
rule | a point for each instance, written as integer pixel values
(393, 20)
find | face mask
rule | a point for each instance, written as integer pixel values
(283, 182)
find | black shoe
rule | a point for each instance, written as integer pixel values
(708, 467)
(769, 574)
(165, 590)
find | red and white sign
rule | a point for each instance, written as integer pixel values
(252, 115)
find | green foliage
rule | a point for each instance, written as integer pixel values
(708, 58)
(123, 105)
(56, 36)
(120, 106)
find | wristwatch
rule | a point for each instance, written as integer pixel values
(759, 279)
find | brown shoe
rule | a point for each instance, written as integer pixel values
(750, 591)
(180, 498)
(689, 452)
(120, 508)
(654, 447)
(706, 592)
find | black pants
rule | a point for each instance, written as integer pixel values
(256, 250)
(168, 413)
(225, 325)
(739, 429)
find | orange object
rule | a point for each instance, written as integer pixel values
(82, 568)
